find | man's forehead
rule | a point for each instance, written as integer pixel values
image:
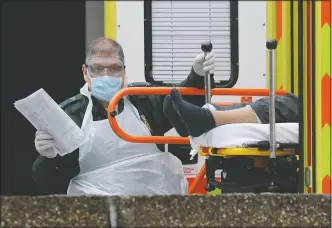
(105, 60)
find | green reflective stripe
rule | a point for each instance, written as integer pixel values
(146, 122)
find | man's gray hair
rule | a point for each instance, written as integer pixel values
(106, 46)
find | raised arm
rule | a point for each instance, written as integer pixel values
(152, 106)
(196, 77)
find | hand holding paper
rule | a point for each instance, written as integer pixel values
(45, 145)
(50, 120)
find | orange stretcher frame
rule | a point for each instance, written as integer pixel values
(165, 91)
(173, 139)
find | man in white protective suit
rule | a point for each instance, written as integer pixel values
(105, 164)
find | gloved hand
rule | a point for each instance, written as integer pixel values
(201, 65)
(45, 144)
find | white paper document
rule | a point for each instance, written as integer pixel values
(46, 115)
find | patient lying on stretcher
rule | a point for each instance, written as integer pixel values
(188, 119)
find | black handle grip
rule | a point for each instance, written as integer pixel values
(271, 44)
(206, 47)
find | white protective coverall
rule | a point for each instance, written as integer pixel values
(112, 166)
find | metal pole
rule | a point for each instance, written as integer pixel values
(272, 45)
(272, 105)
(206, 48)
(207, 87)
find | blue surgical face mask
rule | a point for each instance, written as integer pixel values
(104, 87)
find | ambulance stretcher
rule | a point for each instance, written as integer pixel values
(250, 157)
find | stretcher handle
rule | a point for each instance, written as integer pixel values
(272, 45)
(207, 48)
(112, 113)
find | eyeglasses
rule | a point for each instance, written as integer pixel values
(115, 70)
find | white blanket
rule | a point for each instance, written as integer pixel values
(236, 135)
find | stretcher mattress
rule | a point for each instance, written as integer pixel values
(237, 135)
